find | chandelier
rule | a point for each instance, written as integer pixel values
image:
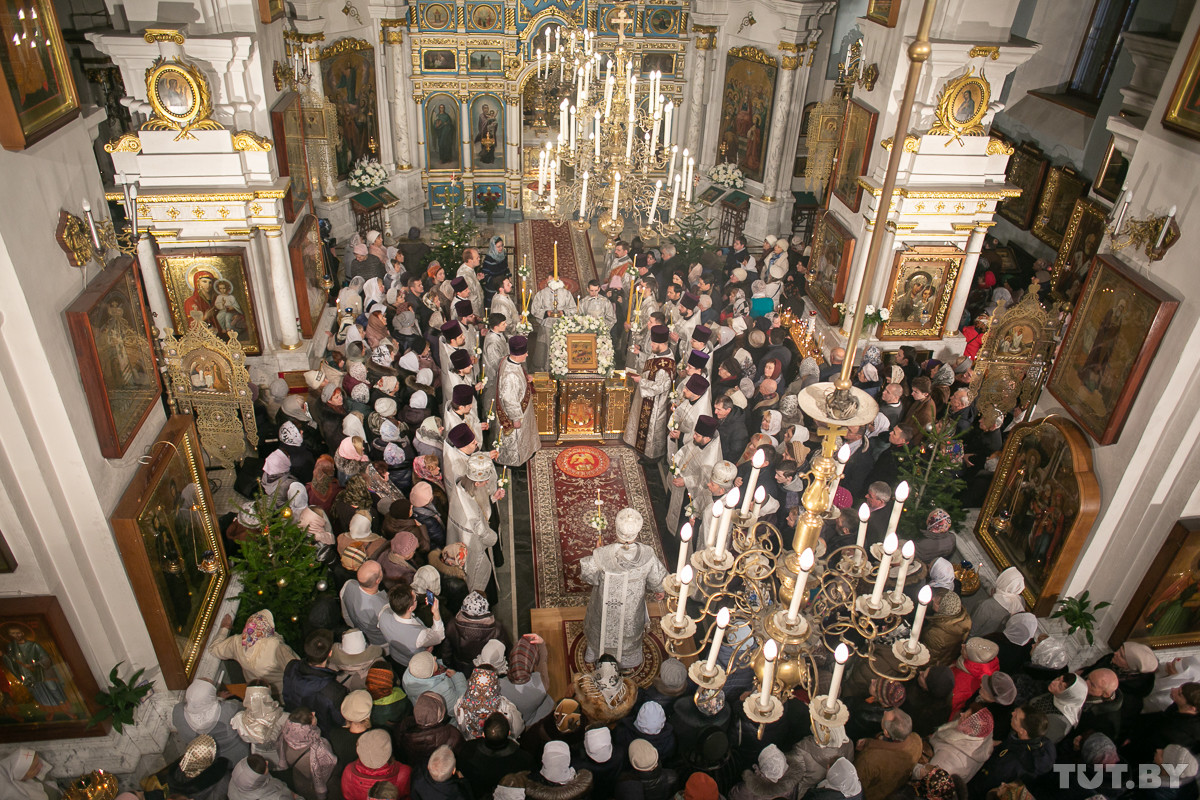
(615, 155)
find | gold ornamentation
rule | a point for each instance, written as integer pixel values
(270, 194)
(269, 229)
(389, 30)
(256, 210)
(153, 35)
(752, 53)
(790, 47)
(75, 239)
(173, 213)
(991, 51)
(962, 106)
(127, 143)
(343, 46)
(510, 19)
(223, 211)
(911, 143)
(97, 785)
(705, 29)
(237, 232)
(303, 38)
(999, 147)
(790, 62)
(869, 77)
(248, 141)
(198, 212)
(179, 96)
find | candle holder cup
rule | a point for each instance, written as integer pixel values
(914, 658)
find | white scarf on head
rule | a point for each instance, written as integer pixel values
(13, 769)
(201, 709)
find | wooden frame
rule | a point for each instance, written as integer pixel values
(165, 516)
(110, 330)
(829, 265)
(1110, 179)
(1183, 110)
(884, 12)
(287, 128)
(1081, 242)
(1063, 188)
(59, 672)
(582, 355)
(854, 154)
(180, 274)
(919, 292)
(1153, 614)
(1027, 171)
(310, 275)
(38, 95)
(270, 10)
(1115, 331)
(1044, 493)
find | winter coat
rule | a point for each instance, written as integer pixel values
(944, 636)
(755, 786)
(357, 779)
(968, 675)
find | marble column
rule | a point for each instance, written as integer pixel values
(859, 268)
(696, 104)
(795, 115)
(398, 100)
(783, 90)
(966, 277)
(155, 292)
(284, 300)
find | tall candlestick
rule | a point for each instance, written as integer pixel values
(685, 580)
(717, 512)
(667, 123)
(806, 565)
(908, 553)
(671, 167)
(770, 650)
(731, 500)
(583, 196)
(616, 193)
(840, 656)
(685, 536)
(885, 566)
(596, 135)
(691, 175)
(722, 623)
(87, 213)
(923, 598)
(555, 259)
(901, 495)
(573, 127)
(674, 198)
(654, 202)
(864, 516)
(756, 464)
(1162, 234)
(609, 82)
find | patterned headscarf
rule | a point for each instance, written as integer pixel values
(890, 694)
(950, 605)
(938, 785)
(482, 699)
(979, 725)
(938, 521)
(873, 356)
(475, 606)
(199, 756)
(421, 467)
(308, 738)
(523, 661)
(454, 555)
(324, 471)
(261, 625)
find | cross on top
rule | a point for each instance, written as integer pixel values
(619, 22)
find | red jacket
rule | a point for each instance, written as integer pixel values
(967, 679)
(357, 779)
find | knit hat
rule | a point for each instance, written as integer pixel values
(385, 407)
(700, 787)
(460, 359)
(1000, 686)
(642, 755)
(979, 724)
(476, 605)
(659, 334)
(981, 651)
(1179, 755)
(404, 544)
(772, 763)
(356, 706)
(462, 395)
(938, 521)
(709, 702)
(461, 435)
(380, 681)
(671, 679)
(518, 345)
(696, 384)
(375, 748)
(422, 665)
(650, 718)
(597, 743)
(842, 497)
(199, 756)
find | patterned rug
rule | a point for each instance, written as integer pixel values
(654, 650)
(576, 266)
(563, 485)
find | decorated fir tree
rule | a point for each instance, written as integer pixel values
(932, 470)
(454, 231)
(278, 569)
(691, 240)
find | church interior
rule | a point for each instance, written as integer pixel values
(599, 398)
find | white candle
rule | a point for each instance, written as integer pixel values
(691, 174)
(908, 552)
(608, 93)
(840, 656)
(629, 140)
(671, 168)
(806, 565)
(632, 95)
(573, 127)
(901, 496)
(608, 70)
(667, 123)
(547, 51)
(583, 197)
(685, 536)
(596, 135)
(889, 550)
(731, 500)
(770, 650)
(756, 463)
(843, 455)
(557, 38)
(616, 192)
(760, 497)
(674, 198)
(1162, 234)
(654, 202)
(717, 512)
(553, 189)
(541, 171)
(718, 637)
(562, 121)
(923, 598)
(1126, 199)
(864, 516)
(685, 579)
(539, 63)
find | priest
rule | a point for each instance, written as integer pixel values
(597, 305)
(693, 403)
(692, 467)
(470, 508)
(549, 304)
(646, 423)
(519, 438)
(495, 350)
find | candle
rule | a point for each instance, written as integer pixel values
(760, 497)
(596, 135)
(806, 565)
(616, 193)
(541, 171)
(923, 598)
(646, 160)
(547, 52)
(553, 191)
(770, 650)
(608, 93)
(583, 197)
(908, 553)
(901, 496)
(731, 500)
(1162, 234)
(608, 70)
(539, 63)
(573, 127)
(864, 516)
(722, 623)
(756, 463)
(843, 455)
(557, 38)
(685, 536)
(562, 121)
(675, 198)
(667, 123)
(889, 550)
(671, 168)
(685, 579)
(654, 202)
(840, 656)
(717, 511)
(632, 94)
(87, 212)
(691, 174)
(1126, 199)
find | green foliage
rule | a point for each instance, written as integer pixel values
(453, 232)
(692, 239)
(278, 568)
(931, 469)
(1077, 613)
(121, 699)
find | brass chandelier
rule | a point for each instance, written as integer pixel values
(615, 155)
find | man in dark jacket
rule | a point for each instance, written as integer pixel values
(1179, 724)
(647, 780)
(1023, 756)
(312, 684)
(1102, 709)
(731, 427)
(488, 759)
(441, 780)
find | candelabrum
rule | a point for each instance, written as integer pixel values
(615, 156)
(296, 72)
(1155, 234)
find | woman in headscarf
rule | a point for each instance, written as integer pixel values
(377, 328)
(961, 746)
(840, 783)
(810, 372)
(427, 511)
(360, 537)
(941, 575)
(427, 730)
(947, 627)
(992, 614)
(450, 562)
(22, 776)
(374, 292)
(526, 681)
(202, 712)
(351, 456)
(397, 562)
(471, 628)
(494, 267)
(770, 368)
(775, 775)
(1169, 676)
(483, 698)
(867, 379)
(772, 423)
(1015, 641)
(308, 754)
(1062, 705)
(260, 721)
(350, 297)
(557, 779)
(650, 724)
(261, 652)
(429, 440)
(354, 497)
(252, 781)
(324, 487)
(198, 774)
(276, 476)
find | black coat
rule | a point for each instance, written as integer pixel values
(315, 688)
(1014, 760)
(657, 784)
(734, 435)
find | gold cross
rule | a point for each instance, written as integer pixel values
(619, 22)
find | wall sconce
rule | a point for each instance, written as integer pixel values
(84, 239)
(1156, 235)
(297, 71)
(747, 21)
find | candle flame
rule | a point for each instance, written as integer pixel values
(864, 512)
(908, 551)
(807, 559)
(685, 532)
(734, 495)
(770, 650)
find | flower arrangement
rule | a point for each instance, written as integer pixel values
(367, 173)
(872, 315)
(727, 174)
(488, 202)
(580, 324)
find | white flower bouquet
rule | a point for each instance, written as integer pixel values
(728, 175)
(580, 324)
(367, 173)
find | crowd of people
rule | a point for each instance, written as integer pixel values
(408, 685)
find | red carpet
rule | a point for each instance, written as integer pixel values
(576, 266)
(563, 483)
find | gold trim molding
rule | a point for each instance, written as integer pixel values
(911, 143)
(304, 38)
(152, 35)
(343, 46)
(248, 141)
(126, 143)
(999, 147)
(752, 53)
(990, 51)
(705, 29)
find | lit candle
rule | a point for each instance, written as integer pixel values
(908, 553)
(691, 174)
(1162, 234)
(806, 565)
(616, 192)
(583, 197)
(923, 598)
(671, 168)
(717, 511)
(667, 123)
(608, 93)
(889, 550)
(760, 497)
(685, 580)
(756, 464)
(557, 38)
(685, 536)
(770, 650)
(562, 121)
(722, 624)
(608, 70)
(539, 63)
(654, 202)
(674, 198)
(901, 496)
(840, 656)
(864, 516)
(731, 501)
(553, 191)
(573, 127)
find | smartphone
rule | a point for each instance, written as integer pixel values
(428, 597)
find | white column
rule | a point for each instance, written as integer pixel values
(791, 133)
(465, 137)
(772, 167)
(284, 300)
(859, 268)
(966, 278)
(155, 292)
(399, 102)
(696, 89)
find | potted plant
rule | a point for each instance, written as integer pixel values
(121, 700)
(1076, 612)
(488, 201)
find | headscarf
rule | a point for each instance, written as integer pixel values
(421, 466)
(297, 498)
(261, 717)
(348, 451)
(428, 579)
(774, 423)
(842, 777)
(324, 472)
(201, 708)
(1070, 700)
(246, 781)
(376, 330)
(939, 521)
(869, 372)
(809, 369)
(1141, 659)
(873, 356)
(260, 625)
(597, 743)
(293, 407)
(941, 574)
(481, 699)
(772, 763)
(556, 763)
(1187, 669)
(1007, 592)
(321, 758)
(13, 769)
(496, 253)
(475, 606)
(700, 787)
(352, 426)
(950, 605)
(523, 661)
(1020, 628)
(1099, 749)
(200, 754)
(978, 725)
(650, 718)
(937, 785)
(944, 376)
(492, 655)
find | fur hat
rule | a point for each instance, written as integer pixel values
(702, 334)
(460, 435)
(706, 426)
(451, 330)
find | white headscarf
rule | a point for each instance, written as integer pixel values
(1020, 628)
(13, 768)
(492, 655)
(774, 423)
(1187, 670)
(556, 763)
(352, 426)
(842, 777)
(941, 574)
(1069, 701)
(1007, 592)
(261, 718)
(373, 291)
(201, 708)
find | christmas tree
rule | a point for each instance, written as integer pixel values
(454, 231)
(279, 570)
(932, 470)
(691, 240)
